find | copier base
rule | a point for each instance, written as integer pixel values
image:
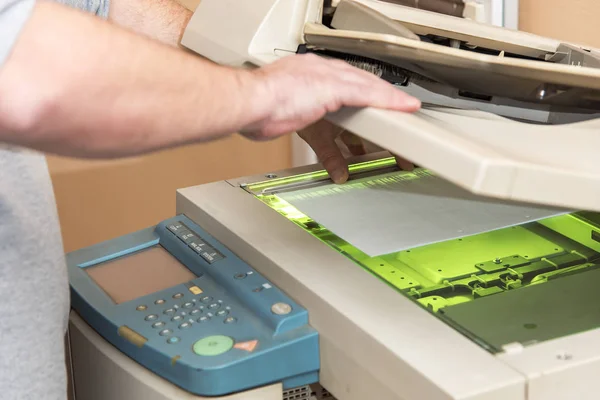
(100, 371)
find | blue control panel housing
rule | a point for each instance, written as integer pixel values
(225, 331)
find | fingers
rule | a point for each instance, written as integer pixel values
(354, 144)
(321, 138)
(363, 89)
(404, 165)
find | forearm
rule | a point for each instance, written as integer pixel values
(163, 20)
(78, 86)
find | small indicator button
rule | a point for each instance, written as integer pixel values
(141, 307)
(247, 346)
(178, 295)
(203, 319)
(195, 290)
(214, 305)
(158, 324)
(230, 320)
(195, 312)
(151, 317)
(159, 301)
(165, 332)
(188, 305)
(222, 313)
(169, 311)
(173, 340)
(213, 345)
(206, 299)
(281, 309)
(185, 325)
(240, 276)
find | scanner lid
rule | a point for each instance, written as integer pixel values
(491, 155)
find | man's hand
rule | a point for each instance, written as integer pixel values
(299, 90)
(327, 141)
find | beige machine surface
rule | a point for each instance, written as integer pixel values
(383, 337)
(101, 372)
(456, 63)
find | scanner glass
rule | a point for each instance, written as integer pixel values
(520, 284)
(139, 274)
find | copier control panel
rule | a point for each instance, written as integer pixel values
(180, 303)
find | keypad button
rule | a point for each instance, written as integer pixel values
(178, 295)
(213, 345)
(158, 324)
(222, 313)
(204, 318)
(195, 312)
(230, 320)
(169, 311)
(159, 301)
(206, 299)
(165, 332)
(189, 304)
(177, 318)
(281, 309)
(151, 317)
(173, 340)
(141, 307)
(214, 306)
(185, 325)
(240, 276)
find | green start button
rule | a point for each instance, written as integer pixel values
(213, 345)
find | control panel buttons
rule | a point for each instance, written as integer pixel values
(141, 307)
(169, 311)
(151, 317)
(213, 345)
(187, 237)
(222, 313)
(195, 312)
(230, 320)
(281, 308)
(178, 295)
(173, 340)
(214, 306)
(165, 332)
(177, 318)
(206, 299)
(240, 275)
(185, 325)
(189, 304)
(204, 318)
(176, 227)
(159, 301)
(158, 324)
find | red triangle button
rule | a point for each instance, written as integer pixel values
(247, 346)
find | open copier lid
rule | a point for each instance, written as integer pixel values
(506, 114)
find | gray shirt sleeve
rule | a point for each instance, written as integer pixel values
(15, 13)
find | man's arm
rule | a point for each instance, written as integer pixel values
(163, 20)
(79, 86)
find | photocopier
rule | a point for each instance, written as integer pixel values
(473, 277)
